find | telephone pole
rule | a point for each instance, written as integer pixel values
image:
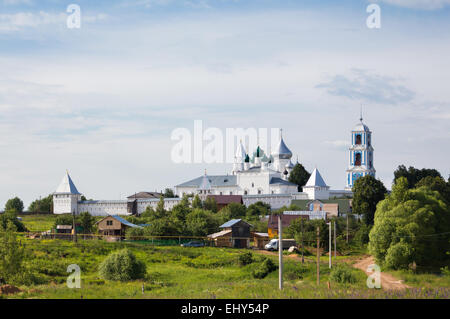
(280, 252)
(347, 228)
(329, 244)
(301, 225)
(318, 257)
(74, 229)
(334, 241)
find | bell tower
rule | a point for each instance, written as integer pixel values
(360, 154)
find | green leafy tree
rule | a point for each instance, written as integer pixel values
(160, 227)
(201, 222)
(210, 204)
(414, 175)
(181, 210)
(66, 219)
(437, 184)
(160, 211)
(44, 205)
(168, 193)
(122, 266)
(367, 192)
(411, 225)
(254, 211)
(12, 254)
(87, 222)
(299, 175)
(10, 216)
(14, 204)
(231, 211)
(197, 202)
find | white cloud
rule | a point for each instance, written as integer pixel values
(419, 4)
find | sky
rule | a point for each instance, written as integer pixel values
(102, 100)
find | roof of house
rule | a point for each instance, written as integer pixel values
(220, 234)
(233, 222)
(145, 195)
(67, 186)
(121, 220)
(217, 180)
(227, 199)
(63, 226)
(280, 181)
(344, 203)
(316, 179)
(261, 234)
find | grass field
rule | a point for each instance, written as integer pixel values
(208, 272)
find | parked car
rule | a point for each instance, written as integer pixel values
(193, 244)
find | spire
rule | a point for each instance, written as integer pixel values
(360, 113)
(316, 180)
(205, 184)
(67, 186)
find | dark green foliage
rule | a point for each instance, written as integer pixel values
(245, 258)
(299, 176)
(367, 192)
(10, 216)
(231, 211)
(437, 184)
(122, 266)
(258, 209)
(414, 175)
(12, 254)
(197, 202)
(342, 274)
(44, 205)
(15, 204)
(265, 268)
(362, 235)
(411, 225)
(168, 193)
(66, 219)
(210, 204)
(309, 231)
(87, 222)
(201, 223)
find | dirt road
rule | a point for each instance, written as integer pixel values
(388, 281)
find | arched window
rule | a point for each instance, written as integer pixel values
(358, 139)
(358, 159)
(259, 191)
(253, 184)
(245, 192)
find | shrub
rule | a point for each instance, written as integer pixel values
(122, 266)
(266, 267)
(245, 258)
(399, 256)
(362, 235)
(342, 274)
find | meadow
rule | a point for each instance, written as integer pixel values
(206, 272)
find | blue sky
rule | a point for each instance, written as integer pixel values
(102, 101)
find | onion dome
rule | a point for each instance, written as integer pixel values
(282, 151)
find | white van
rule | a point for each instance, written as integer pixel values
(273, 244)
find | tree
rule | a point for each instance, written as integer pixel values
(160, 227)
(197, 202)
(411, 225)
(14, 204)
(437, 184)
(43, 205)
(231, 211)
(122, 266)
(254, 211)
(10, 216)
(87, 221)
(12, 254)
(367, 192)
(65, 219)
(414, 175)
(181, 210)
(160, 211)
(210, 204)
(168, 193)
(299, 175)
(201, 222)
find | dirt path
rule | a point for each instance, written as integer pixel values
(388, 281)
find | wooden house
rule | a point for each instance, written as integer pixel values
(114, 227)
(236, 233)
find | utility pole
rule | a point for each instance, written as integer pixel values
(74, 229)
(301, 225)
(334, 241)
(318, 257)
(347, 228)
(280, 252)
(329, 244)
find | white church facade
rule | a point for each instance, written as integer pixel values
(256, 177)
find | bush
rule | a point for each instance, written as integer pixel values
(245, 258)
(122, 266)
(399, 256)
(342, 275)
(362, 235)
(266, 267)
